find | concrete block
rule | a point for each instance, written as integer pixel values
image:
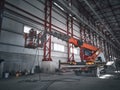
(48, 66)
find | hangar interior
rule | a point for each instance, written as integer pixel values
(95, 22)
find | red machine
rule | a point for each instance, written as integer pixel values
(92, 58)
(89, 54)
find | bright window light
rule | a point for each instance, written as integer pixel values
(27, 29)
(58, 47)
(74, 50)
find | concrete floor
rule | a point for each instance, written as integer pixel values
(63, 81)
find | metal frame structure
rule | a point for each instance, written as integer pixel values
(70, 33)
(47, 27)
(106, 13)
(102, 33)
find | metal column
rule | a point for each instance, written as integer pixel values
(47, 27)
(86, 35)
(82, 37)
(89, 33)
(2, 2)
(105, 50)
(70, 33)
(91, 37)
(82, 33)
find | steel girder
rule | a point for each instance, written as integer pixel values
(93, 28)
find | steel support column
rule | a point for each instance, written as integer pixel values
(96, 40)
(70, 33)
(112, 51)
(2, 2)
(89, 33)
(82, 30)
(86, 35)
(108, 50)
(47, 27)
(105, 52)
(82, 37)
(91, 36)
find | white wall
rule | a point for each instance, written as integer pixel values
(12, 41)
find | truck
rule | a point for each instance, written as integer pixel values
(92, 57)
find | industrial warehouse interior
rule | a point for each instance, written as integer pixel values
(59, 44)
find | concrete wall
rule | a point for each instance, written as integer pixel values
(12, 41)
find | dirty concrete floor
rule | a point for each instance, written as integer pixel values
(62, 81)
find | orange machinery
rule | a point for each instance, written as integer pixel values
(89, 54)
(92, 57)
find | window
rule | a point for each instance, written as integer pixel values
(75, 50)
(58, 47)
(27, 29)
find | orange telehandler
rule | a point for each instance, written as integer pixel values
(92, 58)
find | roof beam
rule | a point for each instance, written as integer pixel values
(100, 20)
(73, 12)
(108, 7)
(113, 12)
(102, 14)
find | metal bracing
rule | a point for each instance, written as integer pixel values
(98, 44)
(82, 33)
(2, 2)
(104, 45)
(108, 50)
(87, 39)
(85, 13)
(112, 53)
(109, 53)
(113, 13)
(93, 28)
(108, 7)
(101, 11)
(94, 41)
(70, 33)
(101, 44)
(101, 20)
(89, 36)
(47, 27)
